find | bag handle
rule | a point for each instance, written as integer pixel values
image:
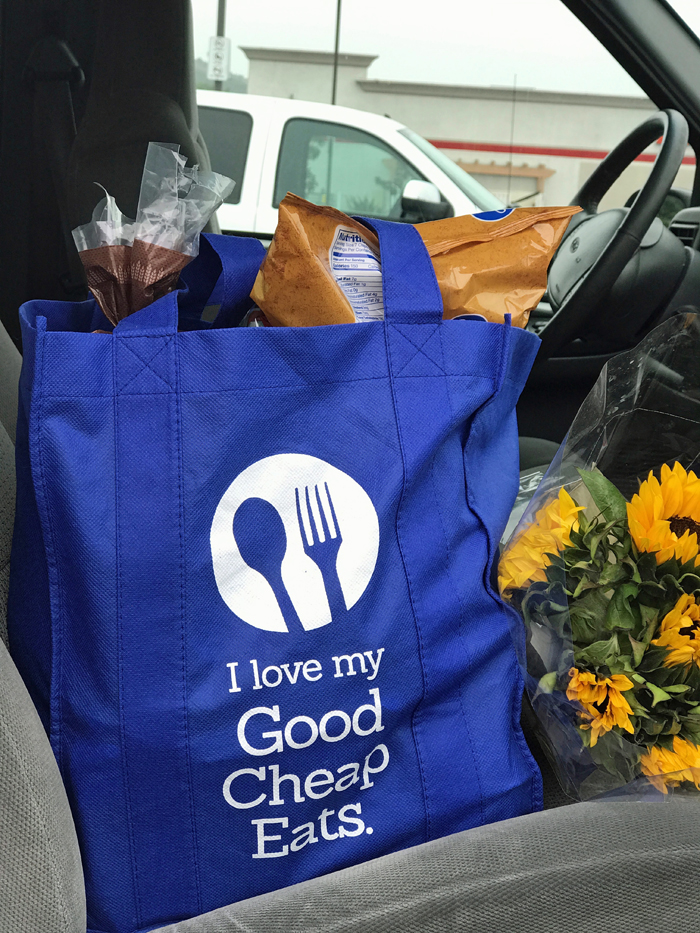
(410, 289)
(235, 259)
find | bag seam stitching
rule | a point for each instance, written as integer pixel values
(424, 676)
(120, 631)
(55, 691)
(420, 349)
(146, 365)
(477, 769)
(183, 617)
(536, 788)
(516, 731)
(290, 385)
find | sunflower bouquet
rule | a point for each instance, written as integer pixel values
(604, 573)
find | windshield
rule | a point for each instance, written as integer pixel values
(505, 125)
(470, 186)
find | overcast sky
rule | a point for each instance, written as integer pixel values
(483, 42)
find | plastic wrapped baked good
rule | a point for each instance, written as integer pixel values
(131, 263)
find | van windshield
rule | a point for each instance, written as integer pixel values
(470, 186)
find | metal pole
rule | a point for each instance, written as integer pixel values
(335, 53)
(221, 31)
(512, 137)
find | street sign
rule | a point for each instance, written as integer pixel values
(219, 58)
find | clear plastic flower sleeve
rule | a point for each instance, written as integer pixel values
(131, 263)
(603, 572)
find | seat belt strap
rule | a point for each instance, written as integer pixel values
(52, 71)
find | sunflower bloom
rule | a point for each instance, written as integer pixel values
(526, 558)
(602, 700)
(680, 632)
(664, 517)
(666, 768)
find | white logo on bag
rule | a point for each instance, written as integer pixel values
(294, 543)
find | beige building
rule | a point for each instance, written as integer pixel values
(530, 146)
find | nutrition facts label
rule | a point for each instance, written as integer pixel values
(356, 268)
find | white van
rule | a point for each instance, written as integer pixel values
(359, 162)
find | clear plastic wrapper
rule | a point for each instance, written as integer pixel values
(131, 263)
(603, 572)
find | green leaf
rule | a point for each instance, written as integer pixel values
(556, 573)
(617, 755)
(667, 574)
(689, 582)
(670, 582)
(623, 548)
(620, 614)
(606, 496)
(663, 676)
(677, 688)
(600, 652)
(636, 577)
(583, 585)
(588, 616)
(654, 728)
(646, 564)
(595, 540)
(654, 659)
(638, 649)
(637, 707)
(691, 676)
(692, 733)
(659, 695)
(572, 555)
(649, 617)
(614, 573)
(548, 683)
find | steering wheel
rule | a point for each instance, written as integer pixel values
(597, 246)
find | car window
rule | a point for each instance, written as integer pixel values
(328, 163)
(227, 135)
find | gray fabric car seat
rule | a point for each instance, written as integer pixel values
(10, 365)
(41, 878)
(536, 452)
(7, 510)
(596, 866)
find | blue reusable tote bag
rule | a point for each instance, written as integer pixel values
(250, 584)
